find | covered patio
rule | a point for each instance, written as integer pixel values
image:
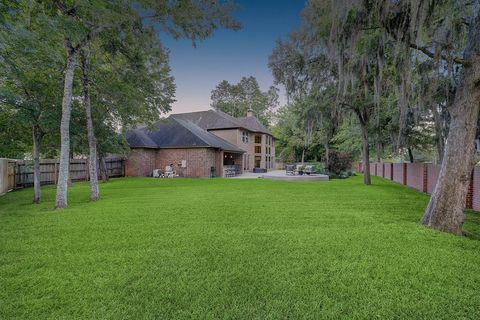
(232, 164)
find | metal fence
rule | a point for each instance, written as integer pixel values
(20, 172)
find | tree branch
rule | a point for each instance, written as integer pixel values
(432, 55)
(63, 8)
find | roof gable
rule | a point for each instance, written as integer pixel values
(253, 124)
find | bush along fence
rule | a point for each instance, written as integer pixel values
(423, 177)
(16, 174)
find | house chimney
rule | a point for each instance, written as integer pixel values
(250, 113)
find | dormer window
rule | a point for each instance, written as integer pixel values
(245, 136)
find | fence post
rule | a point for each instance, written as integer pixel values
(376, 166)
(469, 204)
(55, 172)
(405, 168)
(3, 176)
(87, 172)
(425, 177)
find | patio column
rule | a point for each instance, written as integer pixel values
(222, 156)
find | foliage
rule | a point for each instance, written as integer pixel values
(31, 65)
(339, 162)
(237, 99)
(328, 249)
(13, 144)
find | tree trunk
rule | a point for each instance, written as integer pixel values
(37, 139)
(379, 152)
(439, 134)
(410, 155)
(103, 169)
(445, 210)
(92, 142)
(327, 152)
(63, 171)
(303, 156)
(366, 156)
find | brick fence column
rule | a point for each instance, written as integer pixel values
(469, 204)
(405, 174)
(425, 177)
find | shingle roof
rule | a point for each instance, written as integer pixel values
(176, 133)
(253, 124)
(214, 120)
(209, 119)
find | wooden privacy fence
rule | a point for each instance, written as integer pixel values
(423, 177)
(20, 172)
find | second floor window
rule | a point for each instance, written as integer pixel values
(258, 149)
(244, 136)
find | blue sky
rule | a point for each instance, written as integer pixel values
(230, 55)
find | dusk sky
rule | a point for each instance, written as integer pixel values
(230, 55)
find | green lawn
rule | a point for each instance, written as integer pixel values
(234, 249)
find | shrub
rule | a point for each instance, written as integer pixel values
(339, 162)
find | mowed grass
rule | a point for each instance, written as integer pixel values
(234, 249)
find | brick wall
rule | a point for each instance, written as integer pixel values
(388, 170)
(423, 177)
(432, 174)
(476, 189)
(140, 162)
(415, 176)
(215, 157)
(380, 169)
(398, 172)
(199, 161)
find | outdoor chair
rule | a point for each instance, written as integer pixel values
(290, 170)
(299, 169)
(230, 172)
(158, 173)
(170, 172)
(309, 170)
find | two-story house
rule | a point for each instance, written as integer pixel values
(201, 144)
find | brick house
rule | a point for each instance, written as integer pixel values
(201, 144)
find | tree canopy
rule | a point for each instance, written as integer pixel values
(237, 99)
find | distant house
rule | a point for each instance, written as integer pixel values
(201, 144)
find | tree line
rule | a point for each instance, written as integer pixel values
(386, 80)
(74, 73)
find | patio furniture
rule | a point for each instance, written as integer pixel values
(290, 170)
(170, 172)
(309, 170)
(229, 172)
(299, 169)
(158, 173)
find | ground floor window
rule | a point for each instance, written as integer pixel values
(268, 162)
(258, 161)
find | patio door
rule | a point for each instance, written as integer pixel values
(258, 161)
